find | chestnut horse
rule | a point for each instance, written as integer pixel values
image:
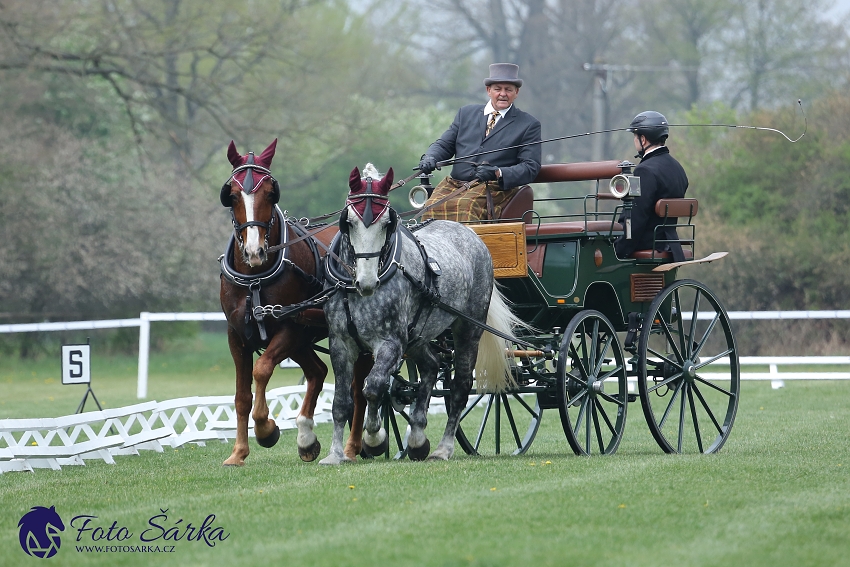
(252, 280)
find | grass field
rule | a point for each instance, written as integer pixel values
(777, 494)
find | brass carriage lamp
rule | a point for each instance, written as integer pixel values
(626, 187)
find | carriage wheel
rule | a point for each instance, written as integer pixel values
(687, 407)
(592, 385)
(500, 422)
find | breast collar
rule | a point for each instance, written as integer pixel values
(389, 262)
(246, 280)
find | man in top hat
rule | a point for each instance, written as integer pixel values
(478, 187)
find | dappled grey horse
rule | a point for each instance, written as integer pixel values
(401, 294)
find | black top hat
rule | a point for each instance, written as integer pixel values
(504, 73)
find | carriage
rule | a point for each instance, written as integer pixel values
(597, 332)
(601, 331)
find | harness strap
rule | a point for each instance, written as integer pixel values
(261, 325)
(352, 328)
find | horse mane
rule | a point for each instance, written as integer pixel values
(371, 171)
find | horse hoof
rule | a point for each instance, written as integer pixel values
(378, 450)
(271, 440)
(334, 460)
(419, 453)
(309, 454)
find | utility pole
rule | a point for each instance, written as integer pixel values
(600, 97)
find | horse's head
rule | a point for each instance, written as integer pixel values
(369, 221)
(251, 193)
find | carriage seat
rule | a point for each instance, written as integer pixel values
(671, 211)
(520, 205)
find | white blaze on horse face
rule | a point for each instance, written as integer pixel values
(253, 248)
(366, 240)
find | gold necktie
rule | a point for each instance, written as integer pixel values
(491, 123)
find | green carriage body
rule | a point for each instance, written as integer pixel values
(602, 331)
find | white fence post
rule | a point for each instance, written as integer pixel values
(144, 349)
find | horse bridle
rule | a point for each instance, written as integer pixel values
(249, 182)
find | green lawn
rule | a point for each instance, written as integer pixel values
(778, 493)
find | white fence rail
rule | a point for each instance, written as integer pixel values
(145, 318)
(26, 444)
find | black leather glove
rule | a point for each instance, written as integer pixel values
(427, 164)
(486, 172)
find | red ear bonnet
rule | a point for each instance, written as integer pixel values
(369, 197)
(250, 178)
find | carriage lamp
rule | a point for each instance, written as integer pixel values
(418, 195)
(626, 186)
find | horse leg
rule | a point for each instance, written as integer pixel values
(242, 400)
(355, 437)
(343, 400)
(428, 365)
(266, 430)
(315, 372)
(387, 357)
(466, 351)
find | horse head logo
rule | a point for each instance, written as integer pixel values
(39, 532)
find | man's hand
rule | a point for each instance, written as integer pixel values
(486, 172)
(427, 164)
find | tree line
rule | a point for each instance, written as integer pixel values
(117, 114)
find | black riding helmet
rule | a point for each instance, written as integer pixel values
(651, 124)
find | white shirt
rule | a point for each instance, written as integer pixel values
(488, 110)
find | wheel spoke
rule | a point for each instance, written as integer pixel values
(677, 364)
(470, 407)
(602, 352)
(611, 373)
(598, 430)
(707, 409)
(705, 336)
(692, 334)
(588, 423)
(695, 420)
(594, 342)
(576, 358)
(680, 324)
(612, 399)
(578, 396)
(705, 363)
(605, 417)
(399, 444)
(664, 382)
(483, 423)
(670, 405)
(511, 421)
(702, 380)
(681, 417)
(580, 415)
(533, 413)
(578, 379)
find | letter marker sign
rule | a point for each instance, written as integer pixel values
(76, 364)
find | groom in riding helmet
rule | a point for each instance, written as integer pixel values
(661, 177)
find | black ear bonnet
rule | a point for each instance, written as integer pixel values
(226, 196)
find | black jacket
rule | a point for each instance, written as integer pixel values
(661, 177)
(466, 136)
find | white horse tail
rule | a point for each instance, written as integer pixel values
(493, 365)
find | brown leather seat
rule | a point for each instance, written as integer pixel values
(520, 205)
